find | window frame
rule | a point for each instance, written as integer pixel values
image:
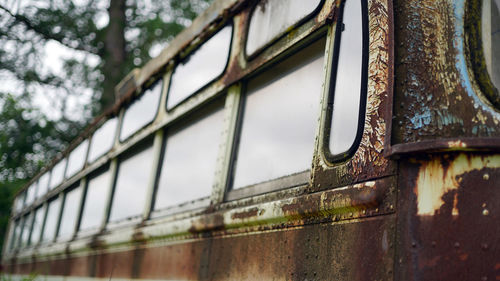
(187, 56)
(279, 36)
(287, 181)
(334, 159)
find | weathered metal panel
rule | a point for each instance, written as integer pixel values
(449, 218)
(435, 97)
(350, 250)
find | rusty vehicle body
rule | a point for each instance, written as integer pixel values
(416, 199)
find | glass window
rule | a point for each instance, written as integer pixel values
(57, 174)
(491, 39)
(27, 222)
(15, 234)
(20, 202)
(272, 18)
(141, 112)
(69, 215)
(131, 185)
(30, 195)
(279, 119)
(43, 184)
(51, 221)
(188, 168)
(37, 226)
(102, 139)
(201, 67)
(76, 159)
(94, 207)
(347, 95)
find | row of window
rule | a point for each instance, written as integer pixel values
(275, 134)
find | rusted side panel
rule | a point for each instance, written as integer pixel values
(435, 97)
(349, 250)
(448, 218)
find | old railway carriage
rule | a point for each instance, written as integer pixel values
(286, 140)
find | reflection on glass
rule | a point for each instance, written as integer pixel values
(188, 167)
(57, 174)
(76, 158)
(30, 195)
(20, 201)
(37, 226)
(347, 93)
(102, 140)
(95, 202)
(279, 119)
(141, 112)
(491, 39)
(201, 67)
(27, 221)
(15, 234)
(43, 184)
(49, 231)
(131, 183)
(70, 212)
(272, 18)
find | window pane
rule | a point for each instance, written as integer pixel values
(30, 196)
(43, 184)
(76, 159)
(57, 174)
(15, 234)
(20, 202)
(272, 18)
(51, 221)
(201, 67)
(348, 81)
(188, 167)
(491, 39)
(70, 212)
(280, 119)
(95, 203)
(37, 226)
(27, 221)
(141, 112)
(102, 140)
(131, 183)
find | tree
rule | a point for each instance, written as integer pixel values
(110, 40)
(106, 41)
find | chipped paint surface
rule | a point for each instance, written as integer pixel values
(434, 179)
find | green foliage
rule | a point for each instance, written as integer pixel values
(32, 277)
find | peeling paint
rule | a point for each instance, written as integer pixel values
(434, 180)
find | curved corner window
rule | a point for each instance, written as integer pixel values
(490, 33)
(278, 124)
(69, 215)
(272, 18)
(51, 220)
(76, 159)
(57, 174)
(102, 139)
(96, 198)
(37, 226)
(43, 184)
(188, 168)
(141, 112)
(130, 192)
(349, 82)
(199, 68)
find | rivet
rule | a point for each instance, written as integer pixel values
(484, 246)
(413, 244)
(433, 243)
(486, 177)
(391, 207)
(484, 205)
(486, 212)
(484, 278)
(456, 245)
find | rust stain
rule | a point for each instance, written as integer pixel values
(246, 214)
(434, 180)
